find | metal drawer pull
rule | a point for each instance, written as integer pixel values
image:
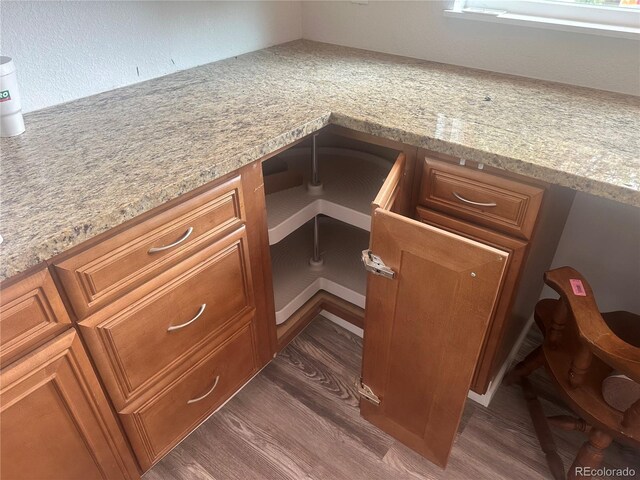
(478, 204)
(171, 245)
(182, 325)
(215, 384)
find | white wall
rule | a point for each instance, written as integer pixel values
(602, 241)
(67, 50)
(419, 29)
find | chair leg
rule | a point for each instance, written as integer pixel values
(526, 367)
(543, 432)
(569, 423)
(590, 454)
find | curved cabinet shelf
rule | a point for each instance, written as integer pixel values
(341, 274)
(351, 180)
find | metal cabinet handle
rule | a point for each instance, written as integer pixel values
(182, 325)
(171, 245)
(215, 384)
(471, 202)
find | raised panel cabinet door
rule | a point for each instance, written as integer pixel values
(504, 204)
(55, 422)
(424, 329)
(31, 312)
(505, 326)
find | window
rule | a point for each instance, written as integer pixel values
(619, 18)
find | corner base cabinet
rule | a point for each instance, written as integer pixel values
(452, 246)
(178, 307)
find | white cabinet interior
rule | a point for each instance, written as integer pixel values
(296, 280)
(350, 180)
(349, 175)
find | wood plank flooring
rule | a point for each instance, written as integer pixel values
(299, 419)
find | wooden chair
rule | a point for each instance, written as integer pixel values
(581, 348)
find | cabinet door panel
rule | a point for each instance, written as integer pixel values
(501, 203)
(505, 327)
(55, 421)
(31, 311)
(424, 329)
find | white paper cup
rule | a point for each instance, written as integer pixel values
(11, 121)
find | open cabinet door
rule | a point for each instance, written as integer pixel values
(428, 306)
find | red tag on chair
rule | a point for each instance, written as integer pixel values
(577, 287)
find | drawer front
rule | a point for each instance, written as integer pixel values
(158, 424)
(108, 270)
(500, 203)
(31, 311)
(197, 302)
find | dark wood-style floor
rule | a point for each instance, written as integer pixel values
(299, 419)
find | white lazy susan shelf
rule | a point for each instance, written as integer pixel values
(342, 273)
(350, 181)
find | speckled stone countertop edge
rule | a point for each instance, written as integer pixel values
(104, 221)
(551, 175)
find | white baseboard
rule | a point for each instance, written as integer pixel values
(343, 323)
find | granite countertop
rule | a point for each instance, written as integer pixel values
(86, 166)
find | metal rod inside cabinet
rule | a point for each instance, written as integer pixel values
(316, 240)
(315, 176)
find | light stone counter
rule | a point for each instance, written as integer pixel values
(86, 166)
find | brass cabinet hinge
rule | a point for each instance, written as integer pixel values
(366, 392)
(374, 264)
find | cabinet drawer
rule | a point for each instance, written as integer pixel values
(135, 343)
(160, 422)
(500, 203)
(106, 271)
(31, 311)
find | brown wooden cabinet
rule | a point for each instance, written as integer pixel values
(448, 252)
(138, 343)
(109, 266)
(430, 299)
(31, 312)
(157, 422)
(55, 421)
(503, 204)
(173, 304)
(518, 215)
(177, 312)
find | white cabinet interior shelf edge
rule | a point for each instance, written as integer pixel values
(350, 180)
(295, 281)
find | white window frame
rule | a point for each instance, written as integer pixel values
(622, 22)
